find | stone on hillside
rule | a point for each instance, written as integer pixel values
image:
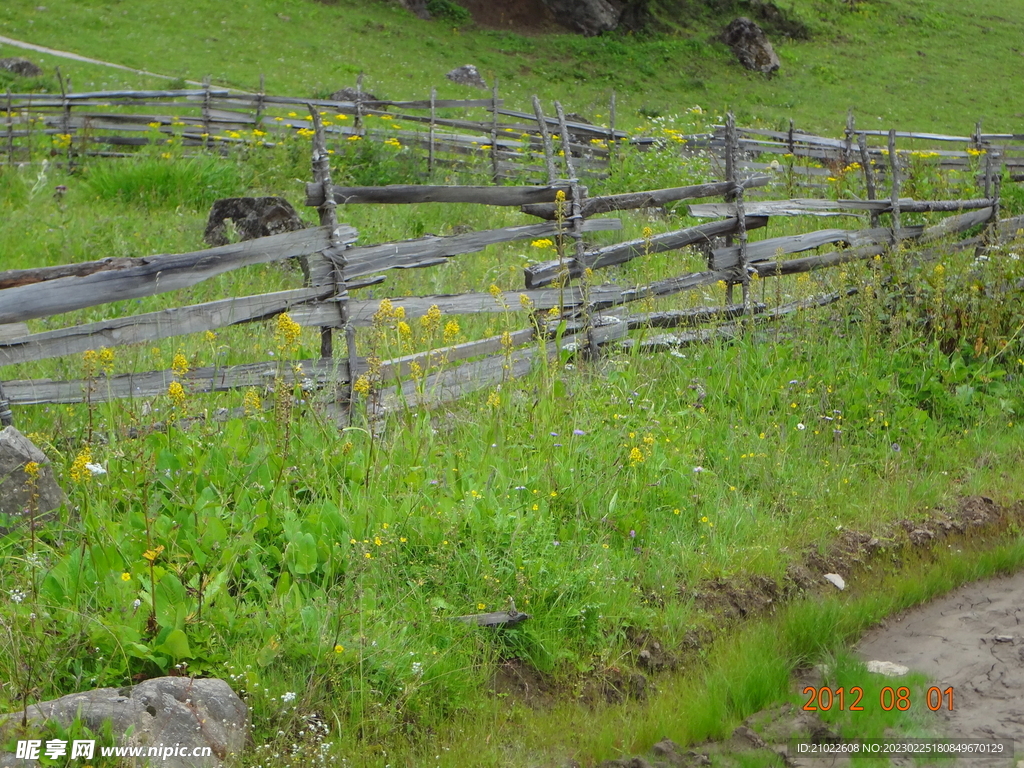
(751, 46)
(588, 17)
(467, 74)
(20, 66)
(22, 496)
(253, 217)
(348, 93)
(169, 711)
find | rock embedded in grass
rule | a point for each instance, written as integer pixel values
(24, 494)
(171, 711)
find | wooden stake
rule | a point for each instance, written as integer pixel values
(10, 129)
(495, 176)
(259, 101)
(433, 117)
(206, 106)
(329, 217)
(894, 169)
(65, 118)
(549, 152)
(576, 223)
(848, 145)
(357, 121)
(869, 175)
(612, 143)
(730, 176)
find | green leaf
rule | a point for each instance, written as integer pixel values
(176, 645)
(300, 554)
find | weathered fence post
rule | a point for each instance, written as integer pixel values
(259, 102)
(995, 171)
(329, 218)
(736, 193)
(848, 138)
(894, 169)
(206, 107)
(612, 144)
(430, 145)
(576, 222)
(789, 138)
(495, 175)
(549, 152)
(988, 174)
(10, 129)
(65, 116)
(357, 121)
(730, 176)
(869, 175)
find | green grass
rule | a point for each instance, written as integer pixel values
(300, 558)
(910, 65)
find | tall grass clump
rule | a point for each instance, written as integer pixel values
(153, 182)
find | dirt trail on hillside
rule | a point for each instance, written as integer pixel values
(973, 641)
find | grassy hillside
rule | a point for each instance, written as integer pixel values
(671, 503)
(912, 64)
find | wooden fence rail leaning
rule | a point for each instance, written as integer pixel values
(565, 286)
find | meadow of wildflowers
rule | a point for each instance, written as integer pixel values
(317, 569)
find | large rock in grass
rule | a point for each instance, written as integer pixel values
(588, 17)
(467, 74)
(348, 93)
(195, 716)
(22, 496)
(751, 46)
(252, 217)
(20, 66)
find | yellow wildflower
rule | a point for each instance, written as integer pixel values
(126, 576)
(287, 333)
(451, 331)
(179, 366)
(90, 359)
(153, 554)
(32, 469)
(362, 385)
(251, 402)
(106, 358)
(79, 471)
(432, 320)
(177, 394)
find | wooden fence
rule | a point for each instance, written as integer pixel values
(510, 143)
(564, 285)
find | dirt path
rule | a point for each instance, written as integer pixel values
(973, 641)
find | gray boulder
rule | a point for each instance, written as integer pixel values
(467, 74)
(22, 496)
(20, 66)
(588, 17)
(253, 217)
(191, 715)
(348, 93)
(751, 46)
